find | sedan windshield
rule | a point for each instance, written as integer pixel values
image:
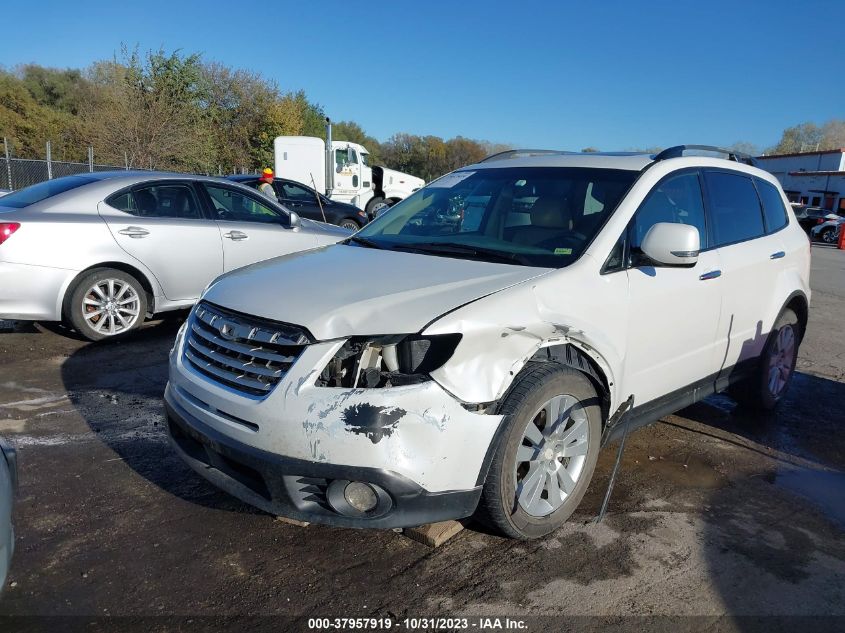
(42, 191)
(531, 216)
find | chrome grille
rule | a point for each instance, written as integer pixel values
(248, 354)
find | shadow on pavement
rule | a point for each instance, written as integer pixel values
(117, 386)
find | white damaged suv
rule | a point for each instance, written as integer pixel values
(491, 333)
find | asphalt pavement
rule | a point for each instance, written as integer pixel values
(715, 512)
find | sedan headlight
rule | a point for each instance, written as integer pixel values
(387, 361)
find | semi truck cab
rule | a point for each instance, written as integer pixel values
(342, 171)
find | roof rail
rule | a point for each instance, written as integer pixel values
(678, 150)
(516, 153)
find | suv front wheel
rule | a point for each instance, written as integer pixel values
(547, 454)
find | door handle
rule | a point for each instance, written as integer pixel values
(713, 274)
(777, 255)
(134, 231)
(235, 236)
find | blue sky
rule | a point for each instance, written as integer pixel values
(561, 74)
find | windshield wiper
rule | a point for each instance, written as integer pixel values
(454, 248)
(363, 241)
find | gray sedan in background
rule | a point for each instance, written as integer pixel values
(104, 251)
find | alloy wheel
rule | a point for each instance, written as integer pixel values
(111, 306)
(781, 360)
(551, 455)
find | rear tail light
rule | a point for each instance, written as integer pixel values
(6, 230)
(820, 221)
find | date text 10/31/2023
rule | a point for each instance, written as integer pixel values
(419, 624)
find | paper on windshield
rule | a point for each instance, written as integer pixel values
(450, 180)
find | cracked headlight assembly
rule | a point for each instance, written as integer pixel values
(387, 361)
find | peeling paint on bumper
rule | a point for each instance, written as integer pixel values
(419, 432)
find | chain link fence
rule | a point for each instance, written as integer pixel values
(17, 173)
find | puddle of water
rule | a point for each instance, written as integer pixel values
(693, 472)
(824, 488)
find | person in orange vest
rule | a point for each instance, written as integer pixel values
(265, 184)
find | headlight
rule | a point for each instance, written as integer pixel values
(387, 361)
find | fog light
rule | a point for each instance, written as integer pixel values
(360, 496)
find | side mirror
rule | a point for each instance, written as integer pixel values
(295, 221)
(348, 154)
(670, 244)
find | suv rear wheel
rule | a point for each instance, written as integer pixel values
(547, 454)
(106, 303)
(767, 387)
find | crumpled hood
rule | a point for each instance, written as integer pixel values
(341, 290)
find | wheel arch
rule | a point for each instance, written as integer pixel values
(570, 355)
(798, 303)
(144, 280)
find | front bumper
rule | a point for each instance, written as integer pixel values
(32, 293)
(424, 452)
(300, 489)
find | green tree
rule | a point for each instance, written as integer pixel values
(28, 125)
(354, 133)
(804, 137)
(152, 108)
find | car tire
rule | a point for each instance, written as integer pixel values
(828, 236)
(775, 368)
(106, 303)
(373, 205)
(349, 223)
(519, 495)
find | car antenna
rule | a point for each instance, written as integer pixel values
(319, 202)
(624, 410)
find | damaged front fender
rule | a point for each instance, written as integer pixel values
(502, 332)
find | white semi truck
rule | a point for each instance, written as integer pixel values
(342, 171)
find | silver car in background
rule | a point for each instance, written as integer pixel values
(103, 251)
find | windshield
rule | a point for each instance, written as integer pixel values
(365, 159)
(42, 191)
(532, 216)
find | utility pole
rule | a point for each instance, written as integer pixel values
(49, 162)
(8, 162)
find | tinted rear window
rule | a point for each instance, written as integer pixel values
(735, 208)
(773, 207)
(44, 190)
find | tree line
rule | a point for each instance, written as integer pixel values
(176, 111)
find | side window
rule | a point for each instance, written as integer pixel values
(734, 208)
(677, 200)
(122, 202)
(231, 205)
(773, 208)
(159, 201)
(341, 158)
(295, 192)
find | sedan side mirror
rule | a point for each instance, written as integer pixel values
(670, 244)
(295, 221)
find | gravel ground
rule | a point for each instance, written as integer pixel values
(714, 513)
